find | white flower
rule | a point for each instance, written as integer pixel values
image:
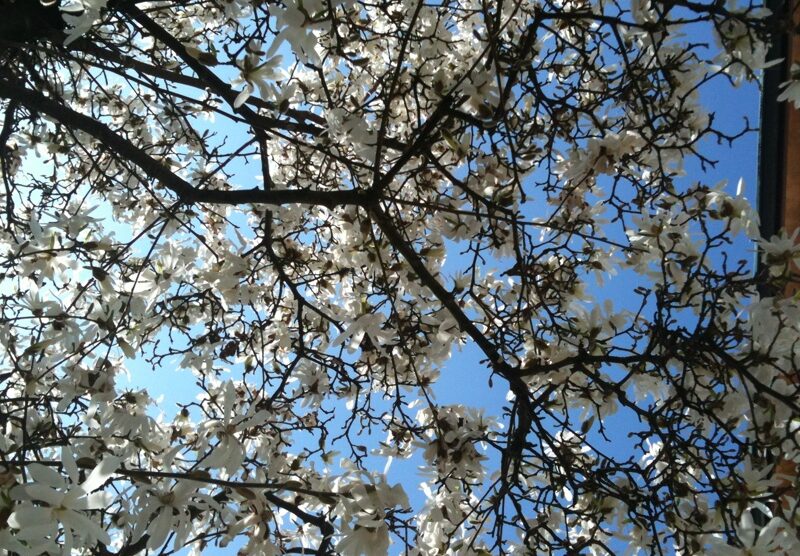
(165, 510)
(779, 251)
(298, 29)
(791, 88)
(314, 384)
(364, 540)
(255, 74)
(60, 501)
(770, 540)
(81, 15)
(370, 325)
(736, 209)
(229, 452)
(454, 434)
(654, 458)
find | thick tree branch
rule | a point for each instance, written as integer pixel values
(447, 299)
(156, 170)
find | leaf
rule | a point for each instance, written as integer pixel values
(328, 499)
(292, 485)
(246, 493)
(451, 141)
(38, 347)
(99, 273)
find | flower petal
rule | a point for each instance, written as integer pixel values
(100, 474)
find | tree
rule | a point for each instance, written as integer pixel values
(310, 204)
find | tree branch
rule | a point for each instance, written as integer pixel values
(186, 192)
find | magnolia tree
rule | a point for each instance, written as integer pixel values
(301, 209)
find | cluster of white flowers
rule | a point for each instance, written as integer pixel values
(290, 215)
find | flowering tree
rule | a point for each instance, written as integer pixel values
(308, 205)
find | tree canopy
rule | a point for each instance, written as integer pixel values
(301, 208)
